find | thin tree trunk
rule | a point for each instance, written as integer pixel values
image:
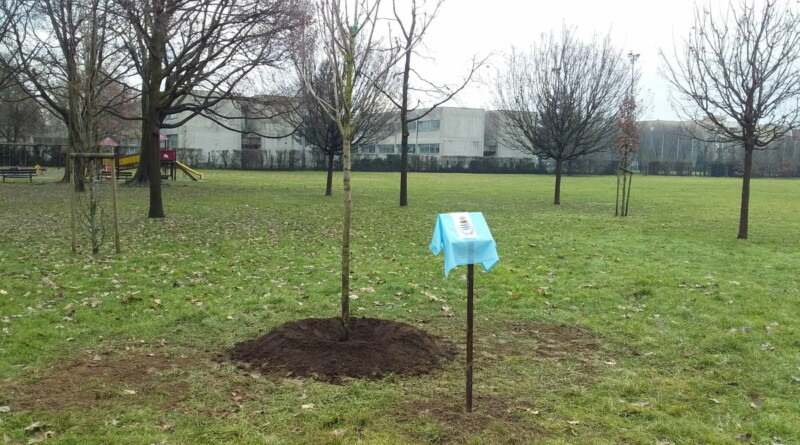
(404, 125)
(345, 128)
(628, 200)
(404, 162)
(745, 209)
(346, 238)
(557, 199)
(616, 202)
(624, 192)
(329, 183)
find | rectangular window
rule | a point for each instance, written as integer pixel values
(428, 148)
(251, 142)
(368, 149)
(173, 141)
(385, 148)
(428, 125)
(412, 127)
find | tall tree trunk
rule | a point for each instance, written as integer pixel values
(745, 209)
(153, 116)
(404, 124)
(67, 163)
(154, 166)
(141, 175)
(329, 183)
(557, 199)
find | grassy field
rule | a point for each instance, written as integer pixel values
(660, 328)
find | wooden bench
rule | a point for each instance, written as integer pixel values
(121, 175)
(18, 173)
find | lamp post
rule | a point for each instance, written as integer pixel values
(633, 57)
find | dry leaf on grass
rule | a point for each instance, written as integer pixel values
(34, 427)
(41, 437)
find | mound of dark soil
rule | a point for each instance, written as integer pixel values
(311, 347)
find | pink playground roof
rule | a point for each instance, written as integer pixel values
(109, 142)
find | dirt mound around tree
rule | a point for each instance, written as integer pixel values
(312, 348)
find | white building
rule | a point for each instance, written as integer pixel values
(444, 132)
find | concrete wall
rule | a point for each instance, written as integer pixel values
(200, 132)
(453, 131)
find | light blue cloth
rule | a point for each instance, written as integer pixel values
(463, 244)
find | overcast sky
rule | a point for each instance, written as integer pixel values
(479, 27)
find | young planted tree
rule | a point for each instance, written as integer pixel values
(412, 30)
(322, 132)
(742, 64)
(348, 44)
(559, 100)
(627, 143)
(191, 56)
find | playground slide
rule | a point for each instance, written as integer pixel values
(194, 174)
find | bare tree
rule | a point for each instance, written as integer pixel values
(20, 115)
(559, 100)
(192, 56)
(11, 14)
(743, 64)
(322, 132)
(412, 30)
(65, 59)
(350, 46)
(627, 141)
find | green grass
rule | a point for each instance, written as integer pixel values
(694, 335)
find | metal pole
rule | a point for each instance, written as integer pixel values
(470, 286)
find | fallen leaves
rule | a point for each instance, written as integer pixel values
(41, 437)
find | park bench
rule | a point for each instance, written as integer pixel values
(121, 175)
(18, 173)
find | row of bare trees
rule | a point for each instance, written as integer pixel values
(83, 59)
(743, 64)
(163, 62)
(736, 76)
